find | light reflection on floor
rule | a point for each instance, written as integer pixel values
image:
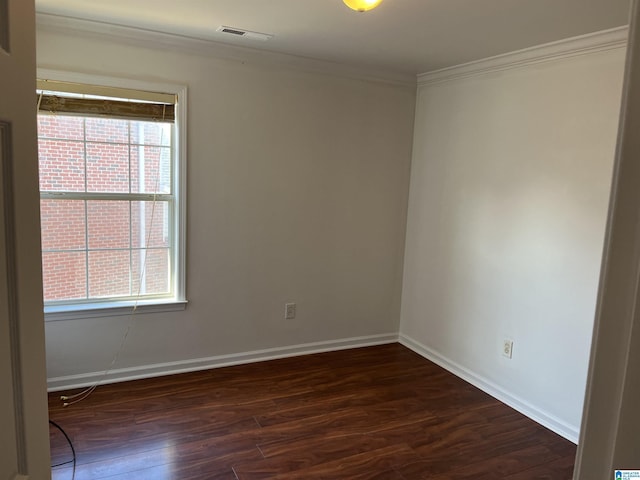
(151, 461)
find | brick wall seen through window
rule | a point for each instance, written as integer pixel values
(106, 208)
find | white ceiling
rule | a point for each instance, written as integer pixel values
(404, 36)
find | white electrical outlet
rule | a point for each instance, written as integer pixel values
(289, 311)
(507, 348)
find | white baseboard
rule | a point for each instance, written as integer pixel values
(553, 423)
(538, 415)
(68, 382)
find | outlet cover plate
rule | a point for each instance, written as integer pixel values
(507, 348)
(289, 311)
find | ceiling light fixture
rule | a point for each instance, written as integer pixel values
(362, 5)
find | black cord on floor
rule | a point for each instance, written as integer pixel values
(73, 450)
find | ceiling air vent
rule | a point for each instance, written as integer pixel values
(238, 32)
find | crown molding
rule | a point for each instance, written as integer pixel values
(126, 35)
(571, 47)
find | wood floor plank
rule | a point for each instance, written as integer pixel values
(286, 456)
(558, 469)
(350, 466)
(500, 466)
(379, 412)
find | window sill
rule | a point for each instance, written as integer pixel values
(94, 310)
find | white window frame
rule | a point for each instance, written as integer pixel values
(178, 301)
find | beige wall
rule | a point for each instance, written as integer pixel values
(508, 200)
(297, 191)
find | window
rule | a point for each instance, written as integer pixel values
(110, 198)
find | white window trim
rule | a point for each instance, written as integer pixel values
(112, 309)
(179, 302)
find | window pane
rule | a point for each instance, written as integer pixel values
(154, 263)
(108, 224)
(151, 133)
(60, 127)
(64, 276)
(61, 165)
(107, 130)
(107, 168)
(62, 224)
(153, 217)
(109, 273)
(150, 169)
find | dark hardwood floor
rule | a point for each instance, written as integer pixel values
(371, 413)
